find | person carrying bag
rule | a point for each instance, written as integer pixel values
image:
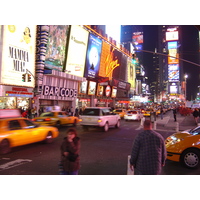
(70, 153)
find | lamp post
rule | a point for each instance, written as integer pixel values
(185, 76)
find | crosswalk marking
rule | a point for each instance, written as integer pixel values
(14, 164)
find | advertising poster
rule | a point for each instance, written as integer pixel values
(93, 57)
(83, 87)
(173, 72)
(171, 35)
(114, 92)
(100, 90)
(76, 54)
(92, 88)
(131, 73)
(18, 55)
(56, 46)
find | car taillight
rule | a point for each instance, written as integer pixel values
(47, 119)
(33, 120)
(80, 120)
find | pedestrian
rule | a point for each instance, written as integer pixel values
(196, 115)
(161, 113)
(148, 152)
(70, 153)
(174, 113)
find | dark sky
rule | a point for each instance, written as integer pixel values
(190, 51)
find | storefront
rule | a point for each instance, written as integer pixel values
(12, 97)
(58, 89)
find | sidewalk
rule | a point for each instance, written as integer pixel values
(183, 122)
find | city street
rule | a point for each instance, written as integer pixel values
(102, 153)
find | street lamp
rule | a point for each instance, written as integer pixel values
(185, 76)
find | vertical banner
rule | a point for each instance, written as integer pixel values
(93, 57)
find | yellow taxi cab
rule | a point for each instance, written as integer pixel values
(120, 112)
(147, 113)
(184, 147)
(17, 131)
(55, 118)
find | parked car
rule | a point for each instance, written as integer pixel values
(133, 115)
(184, 147)
(99, 117)
(120, 112)
(18, 131)
(56, 118)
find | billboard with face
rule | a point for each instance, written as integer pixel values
(76, 54)
(93, 57)
(18, 55)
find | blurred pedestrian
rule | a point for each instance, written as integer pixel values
(161, 113)
(148, 152)
(196, 115)
(174, 113)
(70, 153)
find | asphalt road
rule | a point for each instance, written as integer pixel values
(102, 153)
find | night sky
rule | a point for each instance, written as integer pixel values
(190, 52)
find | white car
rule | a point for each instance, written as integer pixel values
(99, 117)
(133, 115)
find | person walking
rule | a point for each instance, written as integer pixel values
(70, 153)
(161, 112)
(148, 153)
(174, 113)
(196, 115)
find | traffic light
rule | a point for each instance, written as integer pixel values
(23, 77)
(29, 78)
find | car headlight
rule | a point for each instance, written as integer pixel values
(173, 140)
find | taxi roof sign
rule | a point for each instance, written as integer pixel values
(7, 113)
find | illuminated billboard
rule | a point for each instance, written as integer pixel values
(93, 57)
(18, 55)
(83, 87)
(131, 73)
(76, 54)
(56, 46)
(92, 88)
(172, 35)
(114, 92)
(108, 62)
(173, 72)
(172, 51)
(100, 90)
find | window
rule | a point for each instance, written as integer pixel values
(29, 124)
(14, 125)
(48, 114)
(91, 112)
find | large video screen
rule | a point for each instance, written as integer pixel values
(172, 49)
(173, 72)
(76, 54)
(93, 57)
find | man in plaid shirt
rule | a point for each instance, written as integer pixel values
(148, 152)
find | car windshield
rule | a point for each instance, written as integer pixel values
(91, 112)
(48, 114)
(118, 110)
(195, 131)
